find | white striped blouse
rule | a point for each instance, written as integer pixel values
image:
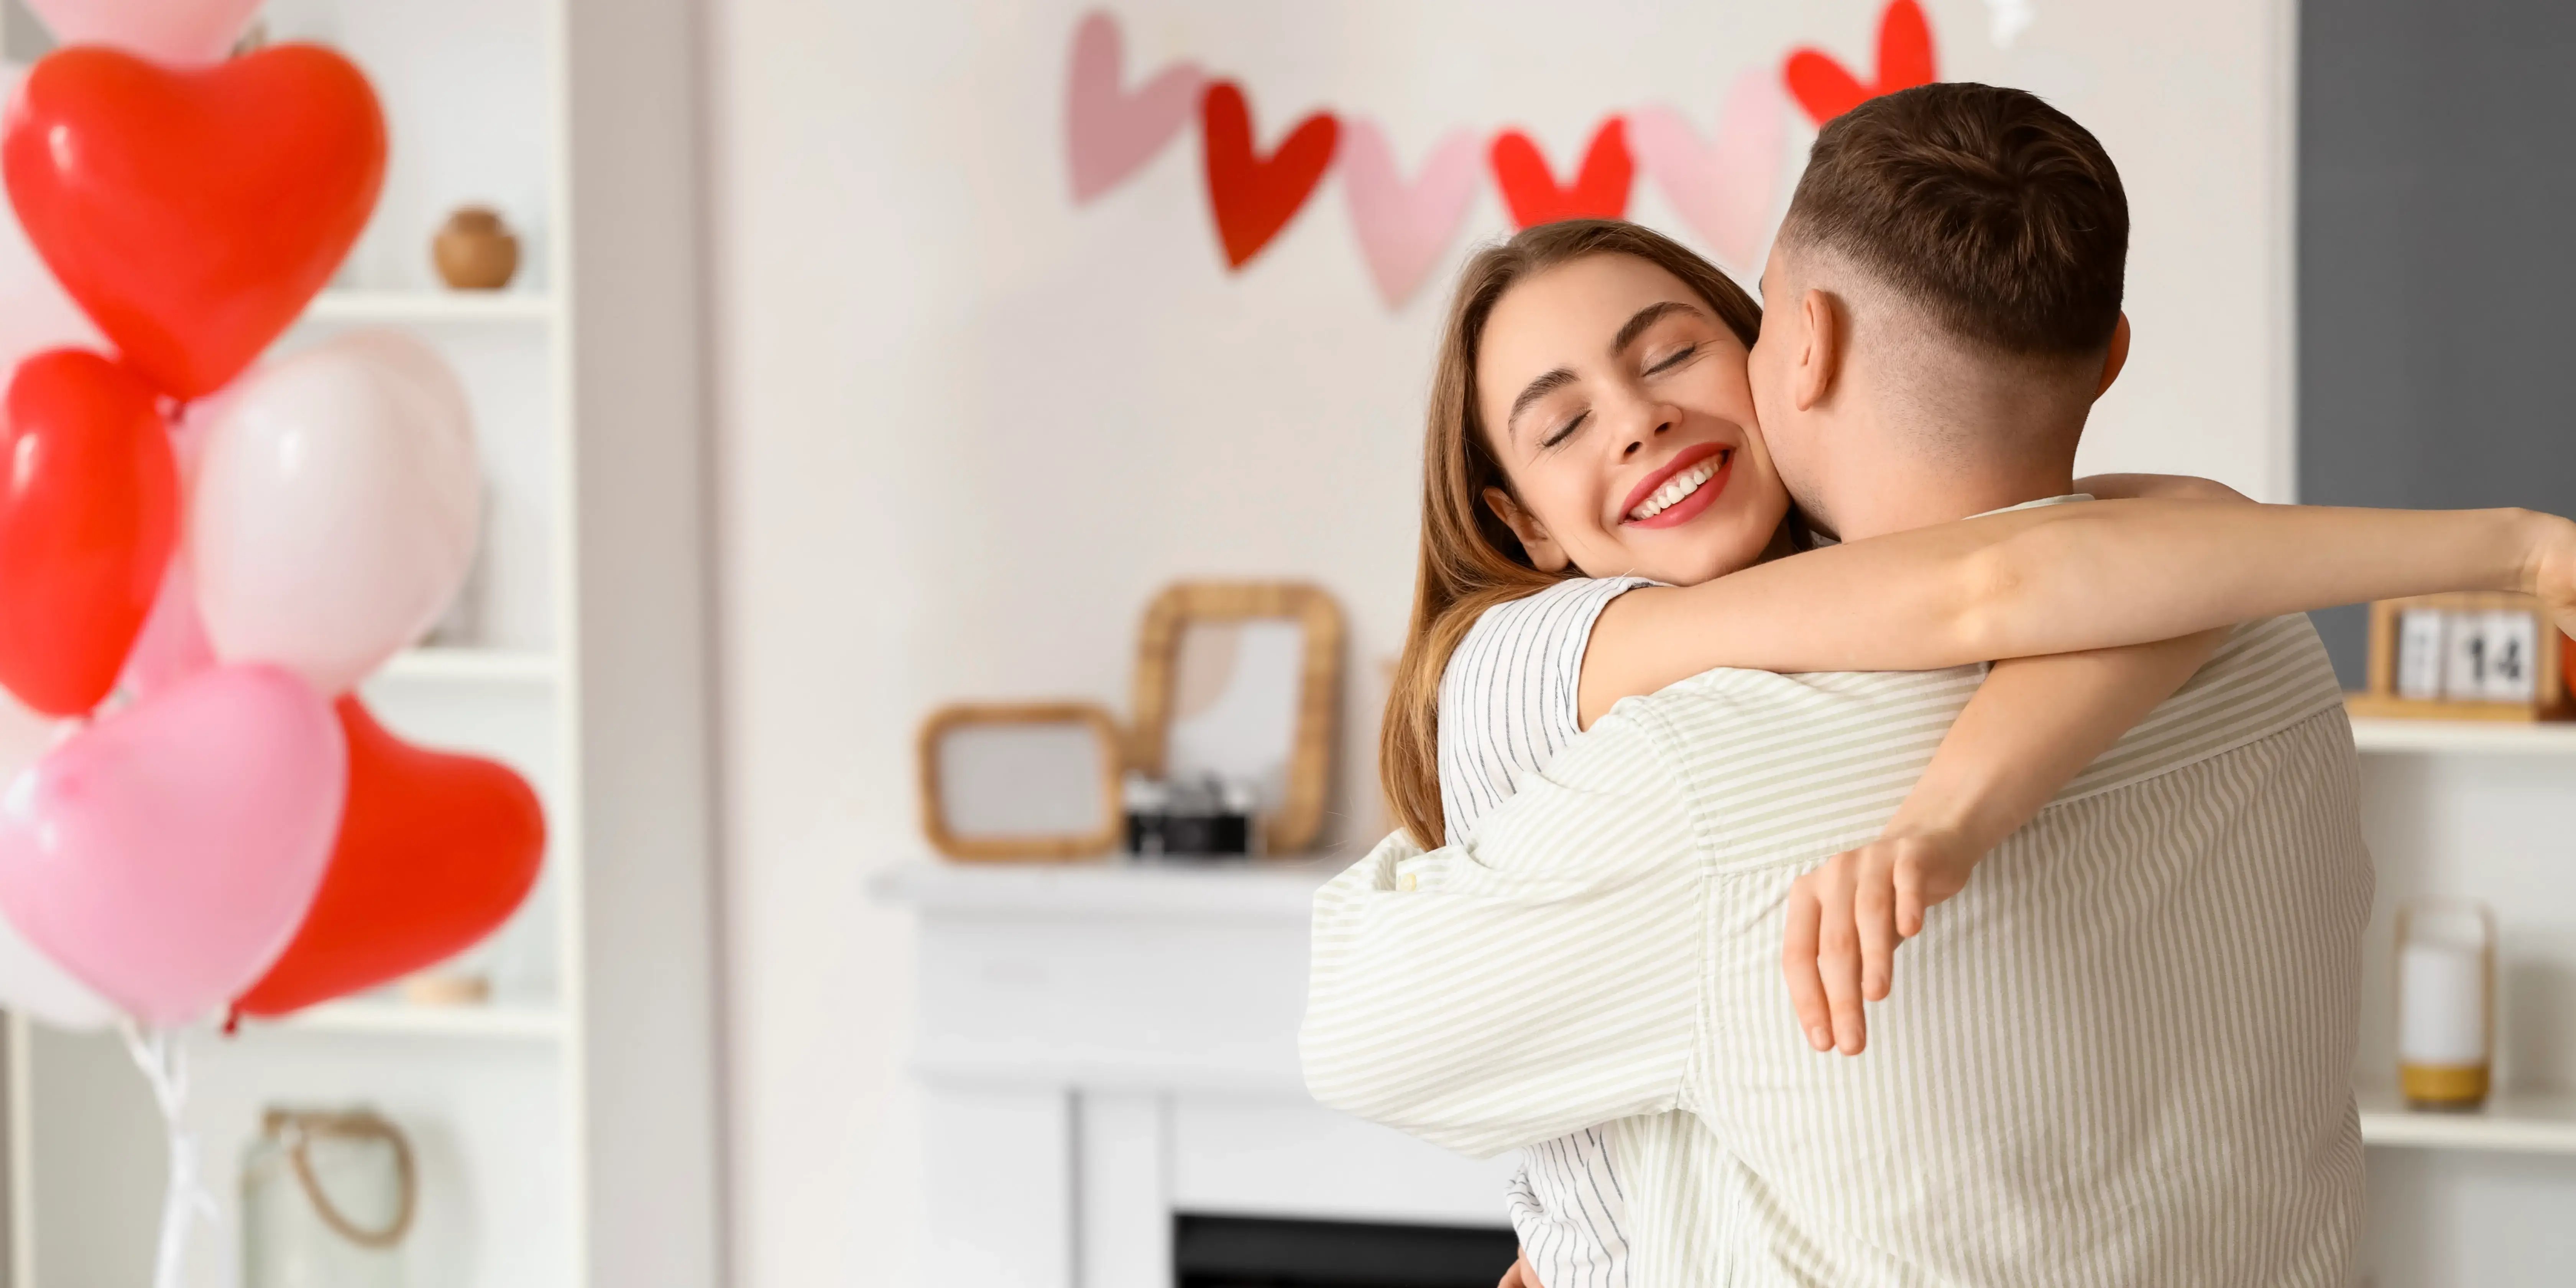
(2120, 1057)
(1507, 706)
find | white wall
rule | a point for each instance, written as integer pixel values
(966, 429)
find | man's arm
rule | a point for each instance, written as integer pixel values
(1543, 978)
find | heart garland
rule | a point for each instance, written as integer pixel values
(1402, 226)
(1600, 188)
(1109, 133)
(1255, 196)
(1723, 188)
(1827, 90)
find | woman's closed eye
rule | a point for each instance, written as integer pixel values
(1673, 361)
(1564, 431)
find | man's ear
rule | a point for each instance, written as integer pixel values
(1818, 360)
(2117, 358)
(1544, 553)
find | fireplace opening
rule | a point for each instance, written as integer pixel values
(1253, 1252)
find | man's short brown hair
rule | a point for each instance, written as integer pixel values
(1993, 211)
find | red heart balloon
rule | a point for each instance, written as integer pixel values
(193, 212)
(89, 509)
(1600, 188)
(436, 850)
(1255, 196)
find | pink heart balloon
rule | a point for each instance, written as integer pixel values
(166, 854)
(180, 32)
(1109, 132)
(1402, 226)
(1724, 188)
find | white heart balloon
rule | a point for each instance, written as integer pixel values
(333, 512)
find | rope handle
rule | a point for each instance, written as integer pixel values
(355, 1126)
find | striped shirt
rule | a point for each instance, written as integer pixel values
(1507, 706)
(2120, 1056)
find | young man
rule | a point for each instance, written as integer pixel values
(2118, 1057)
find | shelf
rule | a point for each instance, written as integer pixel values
(431, 306)
(1268, 889)
(2512, 1123)
(2480, 737)
(471, 666)
(522, 1023)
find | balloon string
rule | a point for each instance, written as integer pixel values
(163, 1060)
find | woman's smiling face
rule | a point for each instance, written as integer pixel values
(1617, 404)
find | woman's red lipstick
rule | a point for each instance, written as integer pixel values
(1689, 507)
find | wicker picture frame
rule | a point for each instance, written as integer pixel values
(943, 833)
(1291, 827)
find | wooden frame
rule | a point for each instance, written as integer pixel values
(2549, 700)
(1292, 828)
(1037, 848)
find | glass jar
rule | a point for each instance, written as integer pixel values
(326, 1200)
(2445, 1002)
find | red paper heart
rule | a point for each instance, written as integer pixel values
(1255, 196)
(435, 851)
(193, 212)
(89, 509)
(1826, 90)
(1599, 191)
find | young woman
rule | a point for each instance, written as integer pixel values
(1603, 520)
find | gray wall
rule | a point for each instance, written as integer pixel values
(2437, 259)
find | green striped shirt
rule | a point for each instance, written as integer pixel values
(2120, 1056)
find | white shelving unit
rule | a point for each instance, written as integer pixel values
(565, 1131)
(2495, 738)
(431, 307)
(2475, 809)
(2518, 1123)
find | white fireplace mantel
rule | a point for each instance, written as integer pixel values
(1102, 1046)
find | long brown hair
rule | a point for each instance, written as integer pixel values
(1470, 561)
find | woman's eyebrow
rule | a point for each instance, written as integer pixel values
(1646, 317)
(1535, 390)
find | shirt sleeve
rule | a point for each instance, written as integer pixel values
(1540, 978)
(1508, 698)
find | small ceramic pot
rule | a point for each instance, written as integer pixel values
(475, 251)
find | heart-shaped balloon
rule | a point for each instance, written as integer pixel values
(89, 512)
(166, 854)
(169, 31)
(436, 850)
(31, 983)
(193, 212)
(335, 507)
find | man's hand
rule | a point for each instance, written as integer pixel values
(1520, 1275)
(1846, 918)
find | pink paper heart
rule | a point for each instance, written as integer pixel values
(1110, 133)
(1723, 190)
(1403, 227)
(166, 854)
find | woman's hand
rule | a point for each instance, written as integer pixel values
(1520, 1275)
(1846, 918)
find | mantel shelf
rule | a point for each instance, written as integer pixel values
(2470, 737)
